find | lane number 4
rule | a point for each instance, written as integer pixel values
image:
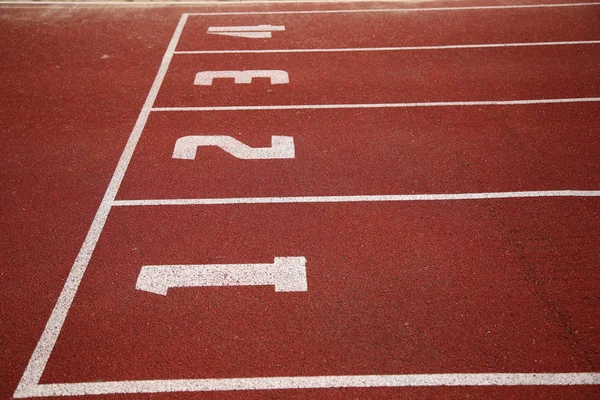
(250, 32)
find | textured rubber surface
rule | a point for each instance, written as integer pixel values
(486, 286)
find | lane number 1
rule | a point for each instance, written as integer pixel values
(281, 147)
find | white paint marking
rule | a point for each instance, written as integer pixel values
(405, 48)
(281, 147)
(360, 198)
(37, 363)
(277, 77)
(401, 10)
(249, 35)
(384, 105)
(287, 274)
(252, 32)
(203, 3)
(320, 382)
(252, 28)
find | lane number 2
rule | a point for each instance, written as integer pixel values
(281, 147)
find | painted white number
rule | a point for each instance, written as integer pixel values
(251, 32)
(278, 77)
(287, 274)
(281, 147)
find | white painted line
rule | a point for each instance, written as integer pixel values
(384, 105)
(287, 274)
(320, 382)
(358, 198)
(41, 354)
(399, 10)
(405, 48)
(203, 3)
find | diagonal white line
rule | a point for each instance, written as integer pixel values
(37, 363)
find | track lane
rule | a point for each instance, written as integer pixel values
(388, 292)
(398, 28)
(373, 152)
(389, 77)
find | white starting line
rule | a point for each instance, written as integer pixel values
(313, 382)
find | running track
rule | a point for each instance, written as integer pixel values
(442, 186)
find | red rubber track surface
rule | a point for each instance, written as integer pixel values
(394, 288)
(374, 151)
(401, 29)
(390, 77)
(388, 292)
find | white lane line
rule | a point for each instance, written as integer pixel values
(384, 105)
(515, 6)
(359, 198)
(202, 3)
(320, 382)
(37, 363)
(405, 48)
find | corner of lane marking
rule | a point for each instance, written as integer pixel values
(319, 382)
